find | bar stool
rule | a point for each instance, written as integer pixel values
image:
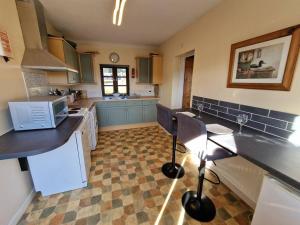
(192, 132)
(165, 118)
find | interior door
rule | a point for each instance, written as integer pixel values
(187, 85)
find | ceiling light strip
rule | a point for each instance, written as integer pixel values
(121, 12)
(117, 6)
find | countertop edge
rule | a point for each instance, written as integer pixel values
(27, 153)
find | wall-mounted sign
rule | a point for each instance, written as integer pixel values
(5, 49)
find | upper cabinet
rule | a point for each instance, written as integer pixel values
(66, 53)
(60, 48)
(143, 74)
(156, 69)
(86, 68)
(149, 69)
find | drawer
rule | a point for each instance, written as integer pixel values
(111, 103)
(134, 102)
(150, 102)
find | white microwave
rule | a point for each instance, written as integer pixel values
(41, 112)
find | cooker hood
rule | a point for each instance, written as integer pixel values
(33, 24)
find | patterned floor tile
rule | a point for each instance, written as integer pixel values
(126, 186)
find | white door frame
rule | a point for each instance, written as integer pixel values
(178, 79)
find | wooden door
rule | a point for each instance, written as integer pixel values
(187, 85)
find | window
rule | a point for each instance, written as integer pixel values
(114, 79)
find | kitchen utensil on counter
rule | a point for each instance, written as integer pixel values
(70, 98)
(84, 94)
(77, 94)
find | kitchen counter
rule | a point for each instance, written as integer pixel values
(18, 144)
(278, 156)
(90, 102)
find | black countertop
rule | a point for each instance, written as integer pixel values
(278, 156)
(18, 144)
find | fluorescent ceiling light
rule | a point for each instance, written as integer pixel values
(121, 12)
(116, 11)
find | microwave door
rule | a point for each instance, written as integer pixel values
(60, 112)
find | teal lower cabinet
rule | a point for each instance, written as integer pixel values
(149, 113)
(103, 114)
(117, 116)
(112, 113)
(135, 114)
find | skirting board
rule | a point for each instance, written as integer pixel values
(18, 215)
(128, 126)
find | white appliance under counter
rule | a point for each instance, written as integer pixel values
(64, 168)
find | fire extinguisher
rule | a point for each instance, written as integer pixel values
(132, 73)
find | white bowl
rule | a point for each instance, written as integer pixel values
(116, 94)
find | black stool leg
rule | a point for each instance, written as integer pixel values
(196, 204)
(171, 169)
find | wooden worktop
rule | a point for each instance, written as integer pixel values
(90, 102)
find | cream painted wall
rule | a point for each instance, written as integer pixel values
(212, 35)
(15, 185)
(51, 29)
(127, 55)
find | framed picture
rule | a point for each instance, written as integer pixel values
(265, 62)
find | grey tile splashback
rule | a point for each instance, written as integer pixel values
(36, 82)
(36, 79)
(269, 121)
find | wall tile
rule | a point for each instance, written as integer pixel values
(251, 109)
(207, 105)
(282, 116)
(227, 116)
(237, 112)
(279, 132)
(290, 127)
(197, 98)
(212, 101)
(255, 125)
(219, 108)
(229, 105)
(211, 111)
(269, 121)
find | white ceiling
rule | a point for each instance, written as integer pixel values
(145, 22)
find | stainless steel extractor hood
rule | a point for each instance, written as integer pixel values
(33, 24)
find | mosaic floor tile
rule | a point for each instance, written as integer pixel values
(126, 186)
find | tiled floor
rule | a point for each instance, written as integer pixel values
(126, 186)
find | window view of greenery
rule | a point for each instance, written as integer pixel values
(114, 79)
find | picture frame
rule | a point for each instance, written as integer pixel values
(266, 62)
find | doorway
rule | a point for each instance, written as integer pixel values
(187, 82)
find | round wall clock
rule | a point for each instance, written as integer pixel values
(114, 57)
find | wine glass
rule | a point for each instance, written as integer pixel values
(200, 108)
(242, 119)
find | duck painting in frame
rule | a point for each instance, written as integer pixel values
(265, 62)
